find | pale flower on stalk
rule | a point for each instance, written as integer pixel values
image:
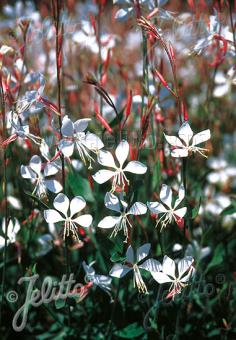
(74, 135)
(120, 222)
(182, 145)
(169, 211)
(19, 129)
(223, 84)
(105, 158)
(41, 178)
(178, 275)
(68, 214)
(12, 230)
(102, 281)
(135, 263)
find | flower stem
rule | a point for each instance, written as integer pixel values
(2, 102)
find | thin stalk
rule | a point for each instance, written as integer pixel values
(99, 50)
(231, 22)
(56, 7)
(109, 328)
(5, 195)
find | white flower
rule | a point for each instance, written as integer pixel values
(222, 173)
(12, 231)
(120, 222)
(119, 270)
(102, 281)
(61, 203)
(169, 211)
(19, 129)
(73, 134)
(31, 98)
(182, 145)
(38, 177)
(224, 83)
(6, 49)
(105, 158)
(178, 275)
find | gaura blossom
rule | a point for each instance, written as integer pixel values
(182, 146)
(120, 222)
(34, 172)
(12, 230)
(224, 83)
(102, 281)
(135, 263)
(178, 275)
(19, 129)
(105, 158)
(73, 134)
(63, 205)
(31, 98)
(169, 211)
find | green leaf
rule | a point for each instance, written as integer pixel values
(218, 257)
(80, 186)
(116, 257)
(156, 176)
(60, 303)
(231, 209)
(196, 209)
(130, 332)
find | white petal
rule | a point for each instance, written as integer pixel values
(161, 277)
(190, 273)
(35, 164)
(156, 208)
(168, 266)
(16, 226)
(179, 153)
(61, 203)
(138, 208)
(143, 251)
(184, 265)
(67, 128)
(220, 78)
(118, 270)
(27, 172)
(136, 167)
(88, 268)
(103, 176)
(151, 265)
(130, 254)
(181, 195)
(53, 185)
(105, 158)
(166, 195)
(180, 212)
(76, 205)
(81, 124)
(52, 216)
(84, 220)
(185, 133)
(112, 202)
(221, 90)
(122, 152)
(201, 137)
(109, 222)
(67, 147)
(174, 141)
(92, 142)
(2, 242)
(9, 227)
(50, 170)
